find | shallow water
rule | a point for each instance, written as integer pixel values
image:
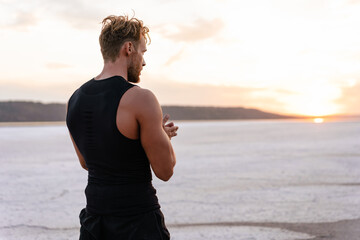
(227, 172)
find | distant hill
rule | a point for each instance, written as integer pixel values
(208, 113)
(21, 111)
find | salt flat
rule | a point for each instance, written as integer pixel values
(233, 180)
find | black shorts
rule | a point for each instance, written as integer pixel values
(147, 226)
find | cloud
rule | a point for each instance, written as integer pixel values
(83, 20)
(174, 58)
(199, 30)
(55, 65)
(350, 99)
(22, 22)
(76, 13)
(285, 92)
(354, 1)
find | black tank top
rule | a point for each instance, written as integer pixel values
(119, 175)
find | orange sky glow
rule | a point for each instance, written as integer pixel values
(291, 57)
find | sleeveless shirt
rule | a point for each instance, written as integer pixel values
(119, 175)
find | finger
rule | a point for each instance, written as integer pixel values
(172, 129)
(170, 124)
(166, 118)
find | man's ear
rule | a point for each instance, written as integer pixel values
(128, 48)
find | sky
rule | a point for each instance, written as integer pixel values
(289, 57)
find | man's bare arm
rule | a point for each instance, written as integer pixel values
(154, 138)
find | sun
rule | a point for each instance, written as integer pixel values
(318, 120)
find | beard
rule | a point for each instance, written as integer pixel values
(134, 71)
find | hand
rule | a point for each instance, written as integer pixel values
(170, 128)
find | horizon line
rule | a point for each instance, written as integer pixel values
(213, 106)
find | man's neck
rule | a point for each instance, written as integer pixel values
(111, 69)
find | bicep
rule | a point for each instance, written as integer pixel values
(152, 134)
(153, 138)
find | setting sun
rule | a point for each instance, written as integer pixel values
(318, 120)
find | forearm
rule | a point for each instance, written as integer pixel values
(173, 156)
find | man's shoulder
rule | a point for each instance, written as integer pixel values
(142, 100)
(142, 96)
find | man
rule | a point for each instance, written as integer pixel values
(118, 131)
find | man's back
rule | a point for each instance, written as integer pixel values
(119, 180)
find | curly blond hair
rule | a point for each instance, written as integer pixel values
(118, 29)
